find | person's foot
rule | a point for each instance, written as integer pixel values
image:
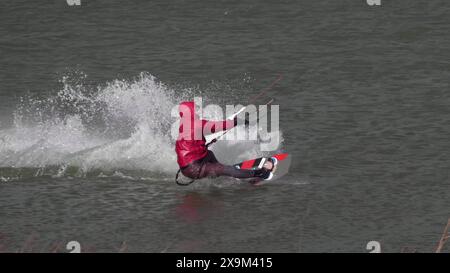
(263, 173)
(266, 172)
(270, 164)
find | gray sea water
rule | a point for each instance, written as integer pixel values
(85, 99)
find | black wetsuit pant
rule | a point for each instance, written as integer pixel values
(210, 167)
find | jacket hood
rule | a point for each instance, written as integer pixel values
(187, 108)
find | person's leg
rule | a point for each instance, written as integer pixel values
(213, 168)
(210, 167)
(210, 157)
(195, 169)
(218, 169)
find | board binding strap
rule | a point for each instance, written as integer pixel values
(271, 163)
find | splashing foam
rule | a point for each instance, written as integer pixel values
(124, 125)
(120, 126)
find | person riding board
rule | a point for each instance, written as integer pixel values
(193, 156)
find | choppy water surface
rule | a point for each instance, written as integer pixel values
(85, 146)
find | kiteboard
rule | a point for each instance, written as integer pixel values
(280, 169)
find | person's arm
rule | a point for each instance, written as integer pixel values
(210, 127)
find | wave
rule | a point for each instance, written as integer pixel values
(122, 126)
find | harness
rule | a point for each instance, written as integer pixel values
(183, 184)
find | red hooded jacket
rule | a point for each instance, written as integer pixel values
(191, 142)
